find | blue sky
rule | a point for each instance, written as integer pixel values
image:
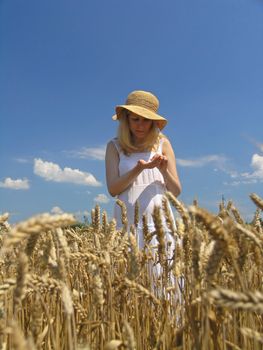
(65, 65)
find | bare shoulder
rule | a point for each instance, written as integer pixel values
(110, 144)
(167, 147)
(111, 149)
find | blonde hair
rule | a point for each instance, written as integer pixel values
(125, 137)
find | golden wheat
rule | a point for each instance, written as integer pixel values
(91, 287)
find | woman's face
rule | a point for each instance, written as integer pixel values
(139, 126)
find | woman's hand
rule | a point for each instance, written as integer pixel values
(162, 162)
(157, 161)
(142, 164)
(163, 166)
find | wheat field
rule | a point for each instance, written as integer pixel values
(69, 286)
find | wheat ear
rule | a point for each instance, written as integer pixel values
(250, 301)
(124, 218)
(257, 200)
(37, 224)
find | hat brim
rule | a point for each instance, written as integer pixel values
(142, 112)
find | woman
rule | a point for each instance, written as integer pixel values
(140, 162)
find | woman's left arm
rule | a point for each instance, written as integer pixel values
(168, 169)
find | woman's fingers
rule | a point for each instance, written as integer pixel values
(156, 156)
(164, 159)
(158, 160)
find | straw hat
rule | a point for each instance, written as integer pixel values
(144, 104)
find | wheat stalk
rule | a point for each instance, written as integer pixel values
(3, 218)
(129, 341)
(124, 218)
(251, 333)
(180, 208)
(66, 298)
(249, 301)
(134, 260)
(140, 289)
(160, 234)
(136, 213)
(35, 225)
(168, 215)
(257, 200)
(22, 278)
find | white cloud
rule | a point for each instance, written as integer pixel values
(218, 162)
(52, 172)
(253, 177)
(22, 160)
(17, 184)
(56, 210)
(260, 146)
(257, 164)
(257, 174)
(81, 215)
(241, 182)
(202, 161)
(101, 198)
(256, 143)
(97, 153)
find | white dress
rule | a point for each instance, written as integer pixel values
(148, 189)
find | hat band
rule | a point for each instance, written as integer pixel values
(143, 103)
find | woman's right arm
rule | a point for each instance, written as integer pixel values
(117, 184)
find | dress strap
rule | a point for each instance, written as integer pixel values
(116, 144)
(160, 147)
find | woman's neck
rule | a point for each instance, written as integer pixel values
(138, 142)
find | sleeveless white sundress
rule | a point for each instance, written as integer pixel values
(148, 189)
